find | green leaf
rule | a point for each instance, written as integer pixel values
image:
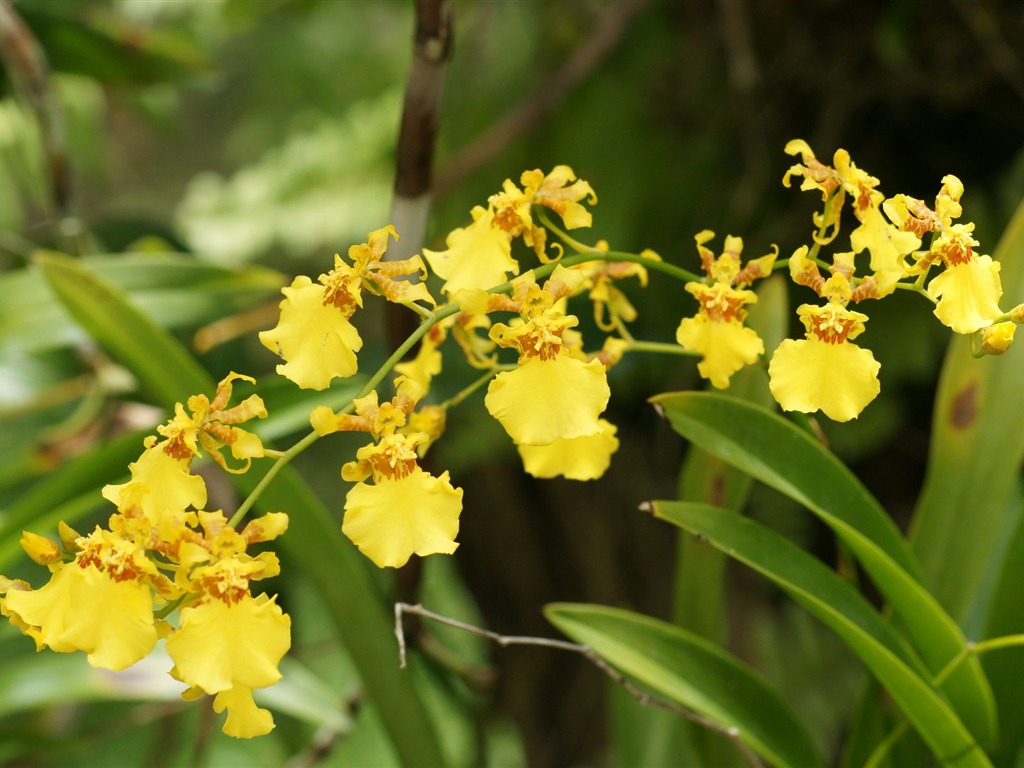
(81, 478)
(1006, 669)
(176, 290)
(60, 679)
(101, 45)
(778, 454)
(165, 369)
(836, 603)
(699, 592)
(693, 672)
(977, 447)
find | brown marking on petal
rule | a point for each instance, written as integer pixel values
(220, 398)
(507, 218)
(176, 448)
(393, 467)
(224, 434)
(89, 557)
(722, 306)
(754, 270)
(866, 289)
(810, 276)
(822, 174)
(832, 329)
(227, 592)
(964, 409)
(341, 299)
(863, 201)
(957, 251)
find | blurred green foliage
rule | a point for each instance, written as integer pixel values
(258, 138)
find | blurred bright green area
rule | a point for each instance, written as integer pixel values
(259, 137)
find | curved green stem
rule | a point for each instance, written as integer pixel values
(884, 747)
(978, 648)
(970, 649)
(466, 391)
(268, 478)
(563, 235)
(589, 253)
(916, 288)
(661, 348)
(432, 318)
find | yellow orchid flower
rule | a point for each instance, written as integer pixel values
(210, 425)
(405, 511)
(826, 371)
(478, 256)
(575, 458)
(717, 332)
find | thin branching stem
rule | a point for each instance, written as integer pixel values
(733, 734)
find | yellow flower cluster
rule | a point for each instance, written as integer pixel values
(406, 510)
(480, 255)
(560, 431)
(550, 403)
(166, 568)
(315, 335)
(825, 371)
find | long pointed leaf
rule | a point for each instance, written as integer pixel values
(164, 368)
(977, 447)
(837, 604)
(693, 672)
(176, 290)
(778, 454)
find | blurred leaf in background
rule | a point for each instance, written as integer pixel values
(255, 140)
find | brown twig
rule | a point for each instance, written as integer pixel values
(417, 136)
(414, 161)
(733, 734)
(520, 118)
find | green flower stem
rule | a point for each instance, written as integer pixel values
(977, 350)
(623, 331)
(917, 288)
(396, 357)
(568, 239)
(885, 746)
(433, 318)
(421, 311)
(658, 266)
(978, 648)
(168, 609)
(661, 348)
(276, 467)
(589, 253)
(465, 392)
